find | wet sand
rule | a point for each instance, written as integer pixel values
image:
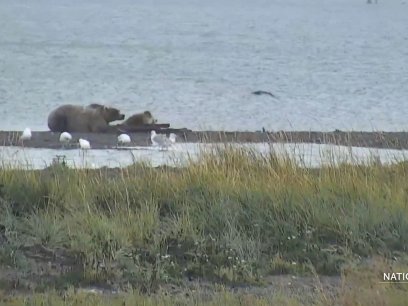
(49, 140)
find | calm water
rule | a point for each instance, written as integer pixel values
(307, 155)
(332, 63)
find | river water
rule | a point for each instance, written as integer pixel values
(181, 154)
(331, 64)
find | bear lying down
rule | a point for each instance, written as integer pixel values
(75, 118)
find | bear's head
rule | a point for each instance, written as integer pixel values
(148, 118)
(111, 114)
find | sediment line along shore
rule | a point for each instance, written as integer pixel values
(49, 140)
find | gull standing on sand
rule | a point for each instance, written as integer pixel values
(65, 138)
(172, 138)
(26, 135)
(123, 138)
(84, 144)
(161, 140)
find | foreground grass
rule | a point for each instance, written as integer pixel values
(233, 217)
(366, 293)
(359, 286)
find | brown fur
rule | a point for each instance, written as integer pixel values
(140, 119)
(95, 106)
(75, 118)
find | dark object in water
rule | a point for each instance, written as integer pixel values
(142, 127)
(162, 127)
(262, 92)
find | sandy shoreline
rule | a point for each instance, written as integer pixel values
(49, 140)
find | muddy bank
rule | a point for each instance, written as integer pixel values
(49, 140)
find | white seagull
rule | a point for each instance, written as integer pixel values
(84, 144)
(172, 138)
(65, 137)
(161, 140)
(26, 135)
(124, 138)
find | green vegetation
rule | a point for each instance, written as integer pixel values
(232, 217)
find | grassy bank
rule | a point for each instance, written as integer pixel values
(234, 217)
(360, 290)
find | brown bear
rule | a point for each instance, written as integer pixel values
(139, 119)
(76, 118)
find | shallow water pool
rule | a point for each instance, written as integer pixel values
(307, 155)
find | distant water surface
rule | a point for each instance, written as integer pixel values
(337, 64)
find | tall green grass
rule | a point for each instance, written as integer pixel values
(232, 216)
